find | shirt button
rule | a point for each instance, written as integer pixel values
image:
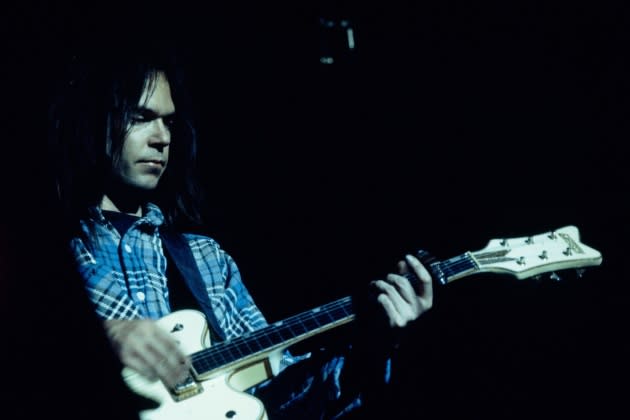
(128, 248)
(140, 296)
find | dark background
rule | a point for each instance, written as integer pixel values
(449, 124)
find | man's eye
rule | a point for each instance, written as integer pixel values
(138, 118)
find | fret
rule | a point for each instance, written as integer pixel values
(296, 328)
(284, 332)
(301, 327)
(311, 322)
(264, 341)
(203, 362)
(327, 317)
(244, 346)
(340, 312)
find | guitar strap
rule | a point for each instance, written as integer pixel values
(181, 254)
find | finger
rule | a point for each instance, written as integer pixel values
(402, 267)
(425, 289)
(171, 348)
(399, 310)
(394, 317)
(171, 373)
(403, 287)
(389, 289)
(411, 305)
(139, 364)
(167, 358)
(418, 268)
(154, 353)
(146, 348)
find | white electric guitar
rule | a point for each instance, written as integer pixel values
(220, 373)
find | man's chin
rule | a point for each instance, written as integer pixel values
(144, 184)
(147, 187)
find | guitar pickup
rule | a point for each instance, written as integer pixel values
(188, 388)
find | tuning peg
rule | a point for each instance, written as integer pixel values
(554, 276)
(552, 235)
(579, 272)
(504, 242)
(529, 240)
(520, 261)
(568, 251)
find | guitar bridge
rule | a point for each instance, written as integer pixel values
(188, 388)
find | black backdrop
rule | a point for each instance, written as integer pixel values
(448, 125)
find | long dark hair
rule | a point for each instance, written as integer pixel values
(90, 115)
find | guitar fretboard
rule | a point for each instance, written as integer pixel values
(447, 270)
(282, 333)
(453, 268)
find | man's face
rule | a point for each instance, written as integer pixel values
(144, 153)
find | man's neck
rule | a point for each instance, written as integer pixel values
(108, 204)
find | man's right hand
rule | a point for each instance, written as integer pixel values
(149, 350)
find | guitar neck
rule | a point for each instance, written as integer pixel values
(522, 257)
(279, 335)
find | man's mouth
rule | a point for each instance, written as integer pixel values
(153, 162)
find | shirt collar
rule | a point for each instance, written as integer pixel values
(152, 215)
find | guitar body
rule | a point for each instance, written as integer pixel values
(221, 396)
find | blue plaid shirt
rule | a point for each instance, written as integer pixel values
(125, 278)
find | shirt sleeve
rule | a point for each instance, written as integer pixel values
(104, 285)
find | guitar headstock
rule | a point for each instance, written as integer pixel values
(529, 256)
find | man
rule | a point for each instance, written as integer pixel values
(127, 149)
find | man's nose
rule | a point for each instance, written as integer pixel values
(161, 134)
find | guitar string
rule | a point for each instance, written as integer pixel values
(451, 268)
(231, 351)
(270, 333)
